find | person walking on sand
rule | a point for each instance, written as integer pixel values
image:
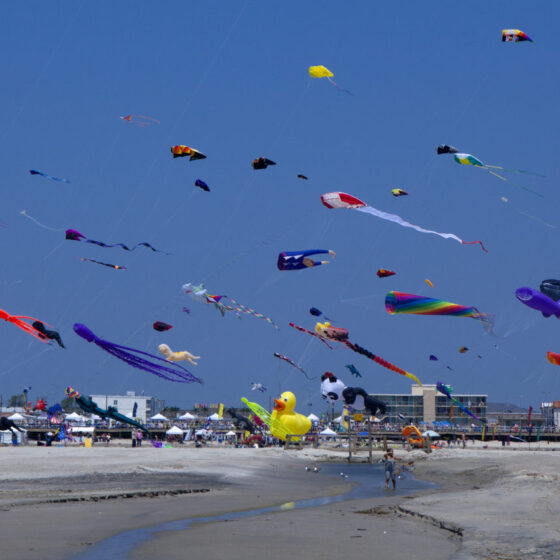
(389, 463)
(138, 438)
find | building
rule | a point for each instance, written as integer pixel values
(551, 413)
(426, 404)
(145, 406)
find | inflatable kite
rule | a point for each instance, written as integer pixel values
(445, 149)
(48, 334)
(514, 36)
(140, 120)
(200, 183)
(179, 356)
(7, 424)
(553, 358)
(292, 363)
(184, 151)
(333, 390)
(300, 176)
(35, 172)
(337, 334)
(539, 301)
(298, 260)
(398, 192)
(262, 163)
(344, 200)
(87, 405)
(114, 266)
(240, 421)
(323, 72)
(271, 421)
(399, 302)
(160, 326)
(447, 390)
(551, 288)
(75, 235)
(177, 373)
(296, 424)
(18, 321)
(384, 273)
(258, 387)
(352, 369)
(301, 329)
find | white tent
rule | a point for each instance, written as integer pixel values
(214, 417)
(313, 418)
(187, 416)
(75, 417)
(431, 433)
(231, 434)
(159, 418)
(82, 429)
(328, 432)
(174, 431)
(17, 417)
(338, 419)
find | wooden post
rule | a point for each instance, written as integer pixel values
(315, 441)
(385, 444)
(349, 447)
(428, 444)
(370, 442)
(483, 432)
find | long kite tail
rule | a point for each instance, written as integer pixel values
(524, 171)
(512, 183)
(357, 348)
(301, 329)
(125, 247)
(339, 88)
(465, 409)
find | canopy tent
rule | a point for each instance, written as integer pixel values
(231, 434)
(431, 434)
(338, 419)
(187, 416)
(328, 432)
(214, 417)
(75, 417)
(159, 418)
(174, 431)
(313, 418)
(82, 429)
(17, 417)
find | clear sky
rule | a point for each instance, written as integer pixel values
(230, 79)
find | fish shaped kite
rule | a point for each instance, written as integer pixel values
(384, 273)
(47, 333)
(160, 326)
(135, 358)
(262, 163)
(353, 370)
(75, 235)
(338, 334)
(398, 192)
(115, 266)
(515, 36)
(200, 183)
(298, 260)
(18, 321)
(539, 301)
(447, 390)
(292, 363)
(35, 172)
(179, 356)
(344, 200)
(140, 120)
(323, 72)
(399, 302)
(183, 151)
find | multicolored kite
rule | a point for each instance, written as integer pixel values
(298, 260)
(183, 151)
(447, 390)
(514, 36)
(292, 363)
(384, 273)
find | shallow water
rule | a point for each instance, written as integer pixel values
(371, 484)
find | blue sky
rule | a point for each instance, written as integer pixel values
(230, 79)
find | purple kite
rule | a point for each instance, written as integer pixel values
(75, 235)
(176, 373)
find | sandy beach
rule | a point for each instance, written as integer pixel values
(496, 503)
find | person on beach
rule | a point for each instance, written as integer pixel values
(389, 463)
(138, 438)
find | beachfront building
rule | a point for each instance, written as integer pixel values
(146, 406)
(426, 404)
(551, 413)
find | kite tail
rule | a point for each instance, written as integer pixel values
(514, 184)
(339, 88)
(474, 243)
(381, 361)
(524, 171)
(465, 409)
(125, 247)
(301, 329)
(18, 321)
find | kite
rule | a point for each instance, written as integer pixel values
(514, 36)
(115, 266)
(337, 334)
(469, 159)
(300, 176)
(35, 172)
(240, 421)
(258, 387)
(75, 235)
(24, 213)
(553, 358)
(445, 149)
(177, 373)
(186, 310)
(317, 312)
(463, 350)
(539, 301)
(296, 424)
(140, 120)
(551, 288)
(398, 192)
(447, 390)
(262, 163)
(7, 424)
(384, 273)
(353, 370)
(298, 260)
(240, 308)
(171, 356)
(334, 390)
(301, 329)
(344, 200)
(399, 302)
(323, 72)
(286, 359)
(160, 326)
(46, 333)
(87, 405)
(184, 151)
(429, 282)
(433, 358)
(267, 418)
(18, 321)
(200, 183)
